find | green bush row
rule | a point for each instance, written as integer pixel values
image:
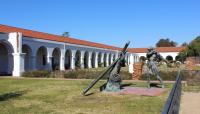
(171, 75)
(192, 77)
(91, 74)
(73, 74)
(38, 73)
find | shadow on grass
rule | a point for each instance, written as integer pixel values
(155, 85)
(88, 94)
(125, 85)
(15, 94)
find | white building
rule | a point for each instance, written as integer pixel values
(165, 52)
(23, 50)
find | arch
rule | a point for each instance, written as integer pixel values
(93, 59)
(6, 58)
(41, 58)
(99, 59)
(169, 58)
(56, 59)
(27, 58)
(104, 59)
(78, 59)
(109, 59)
(86, 59)
(68, 56)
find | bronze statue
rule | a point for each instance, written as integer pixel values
(113, 79)
(153, 57)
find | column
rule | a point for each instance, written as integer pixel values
(62, 60)
(107, 59)
(116, 56)
(128, 59)
(18, 64)
(48, 66)
(96, 60)
(102, 58)
(73, 59)
(89, 60)
(82, 59)
(18, 57)
(112, 56)
(131, 63)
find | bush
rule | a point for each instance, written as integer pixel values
(91, 74)
(168, 76)
(39, 73)
(100, 64)
(194, 78)
(76, 74)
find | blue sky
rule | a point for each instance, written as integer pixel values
(113, 22)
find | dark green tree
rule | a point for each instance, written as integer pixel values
(184, 44)
(192, 49)
(166, 43)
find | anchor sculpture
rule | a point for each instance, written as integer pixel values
(113, 78)
(153, 56)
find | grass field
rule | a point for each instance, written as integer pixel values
(59, 96)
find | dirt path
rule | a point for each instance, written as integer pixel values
(190, 103)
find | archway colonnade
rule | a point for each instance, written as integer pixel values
(19, 54)
(72, 59)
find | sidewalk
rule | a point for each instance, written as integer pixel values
(190, 103)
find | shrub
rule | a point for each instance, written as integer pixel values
(71, 74)
(82, 74)
(92, 73)
(168, 75)
(100, 64)
(194, 78)
(38, 73)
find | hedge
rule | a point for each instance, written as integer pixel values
(91, 74)
(74, 74)
(38, 73)
(171, 75)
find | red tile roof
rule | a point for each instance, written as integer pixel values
(159, 49)
(46, 36)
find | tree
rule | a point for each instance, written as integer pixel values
(181, 56)
(184, 44)
(192, 49)
(166, 43)
(65, 34)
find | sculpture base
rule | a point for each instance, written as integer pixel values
(142, 91)
(112, 87)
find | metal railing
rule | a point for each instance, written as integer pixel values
(173, 102)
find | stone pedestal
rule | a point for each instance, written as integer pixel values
(137, 70)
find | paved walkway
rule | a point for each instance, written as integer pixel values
(190, 103)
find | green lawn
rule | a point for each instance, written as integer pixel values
(57, 96)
